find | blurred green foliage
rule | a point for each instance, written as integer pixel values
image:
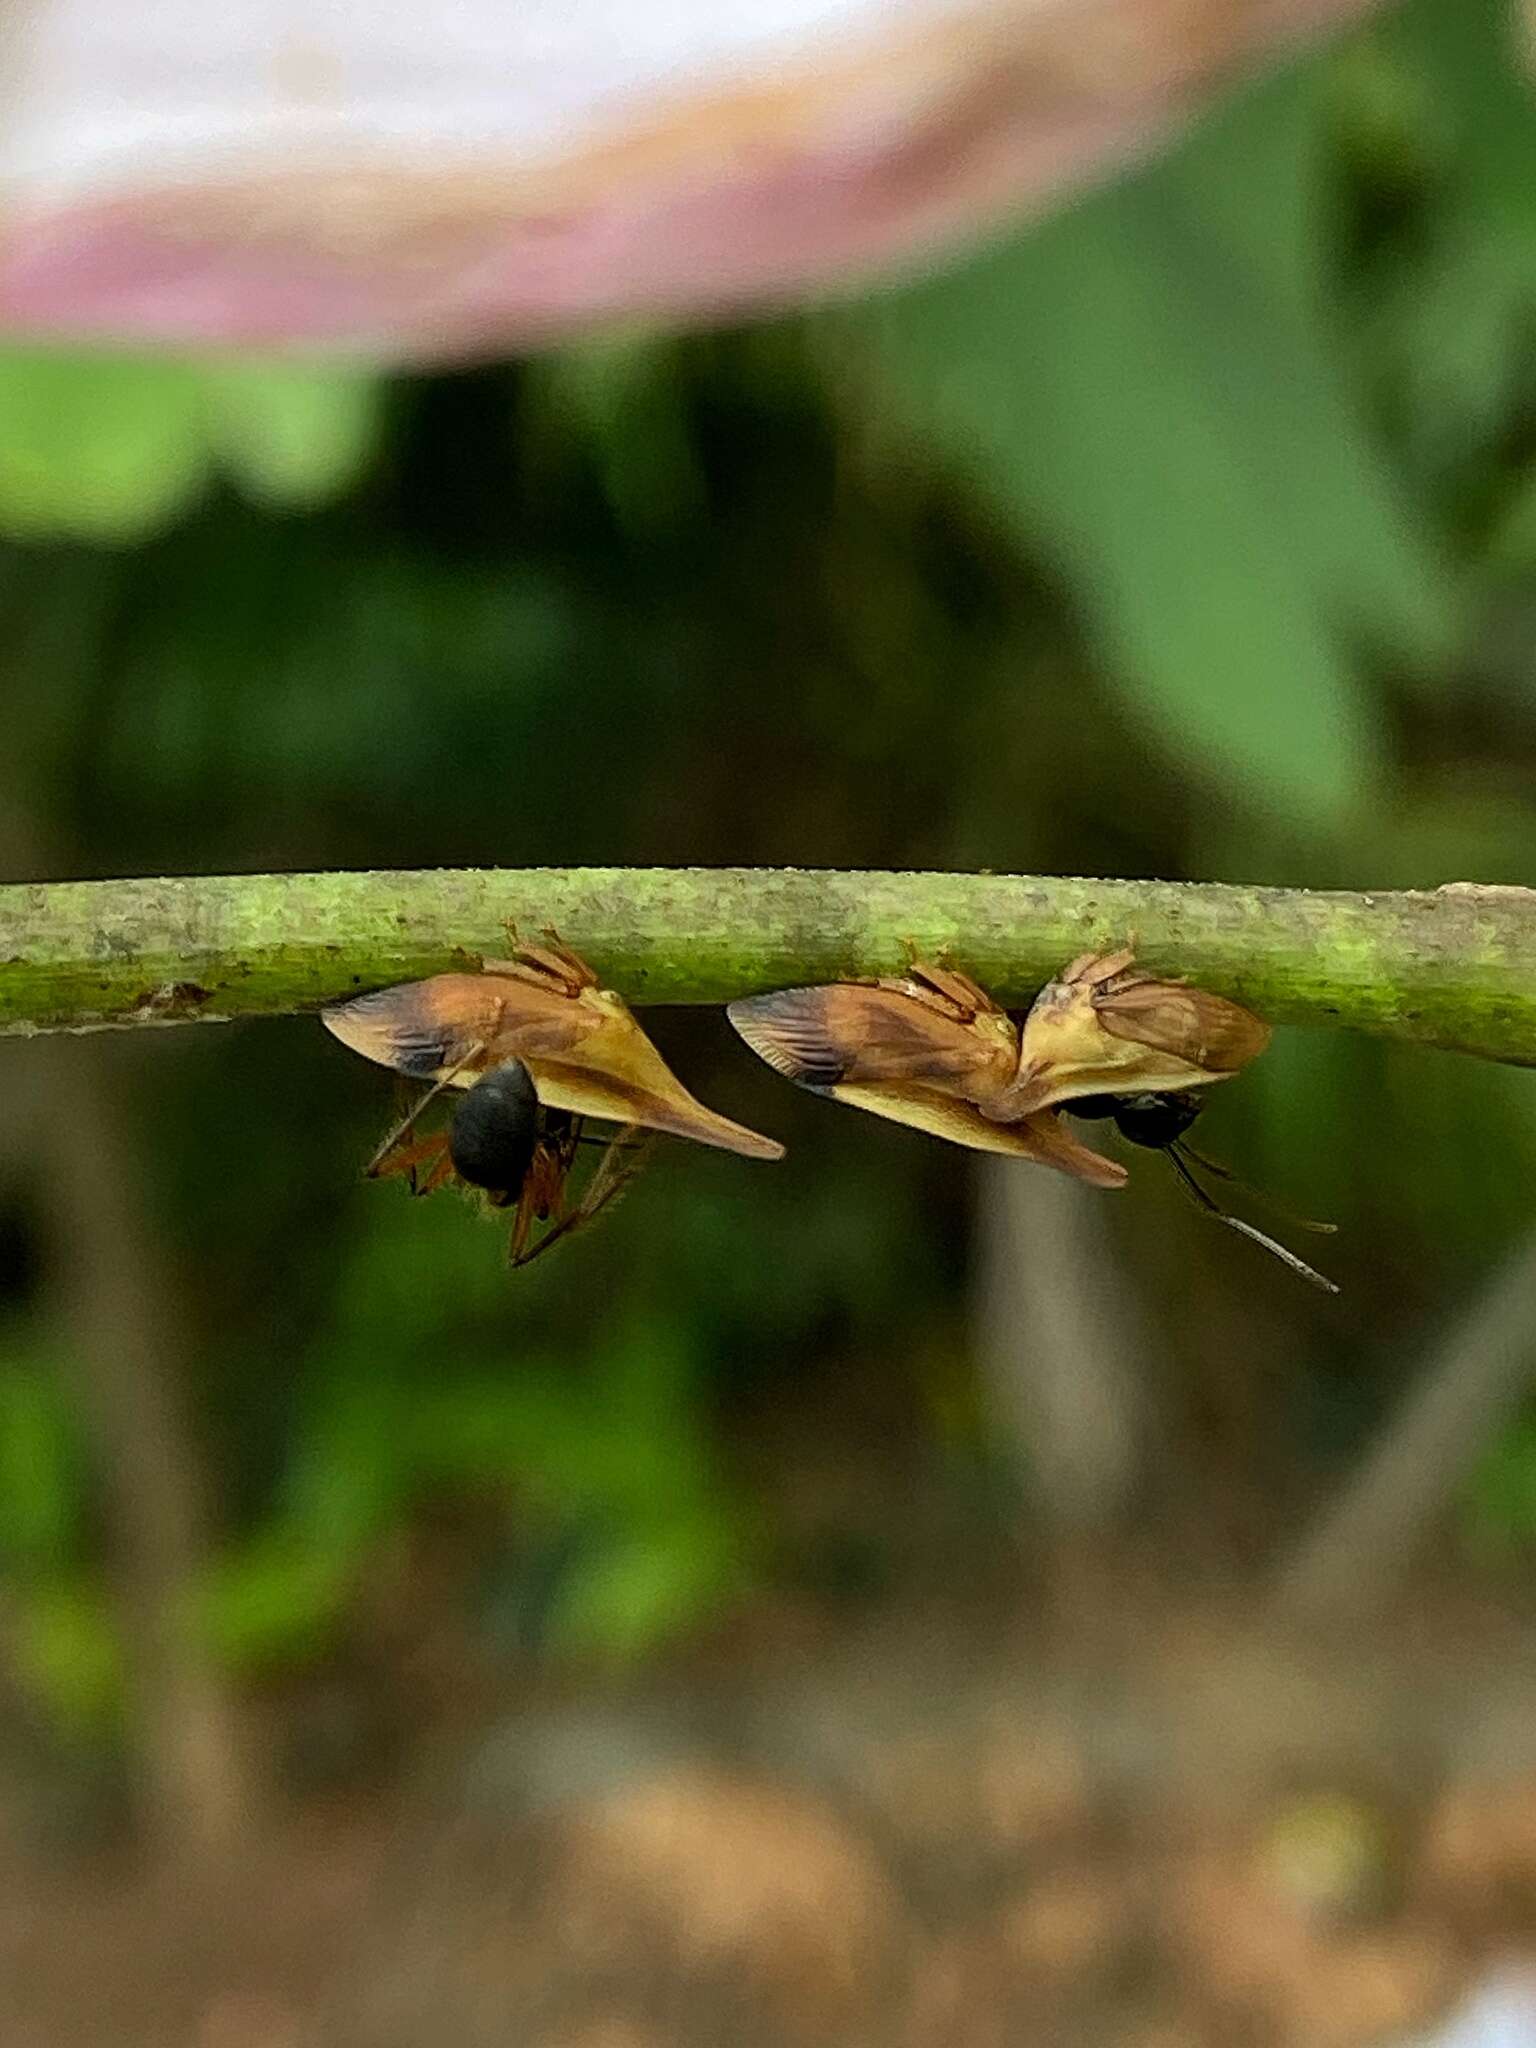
(1152, 386)
(1190, 532)
(112, 447)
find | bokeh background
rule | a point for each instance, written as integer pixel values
(877, 1598)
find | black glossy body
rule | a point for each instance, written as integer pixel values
(1156, 1121)
(494, 1132)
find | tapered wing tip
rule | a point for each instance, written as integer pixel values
(700, 1126)
(659, 1103)
(753, 1145)
(1092, 1168)
(1044, 1139)
(1063, 1149)
(707, 1127)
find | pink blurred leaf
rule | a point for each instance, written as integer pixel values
(402, 181)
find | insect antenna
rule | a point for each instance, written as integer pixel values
(1243, 1187)
(1254, 1195)
(1204, 1202)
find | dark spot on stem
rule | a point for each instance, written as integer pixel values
(171, 999)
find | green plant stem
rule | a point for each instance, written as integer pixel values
(1453, 967)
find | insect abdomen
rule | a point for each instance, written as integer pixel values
(494, 1130)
